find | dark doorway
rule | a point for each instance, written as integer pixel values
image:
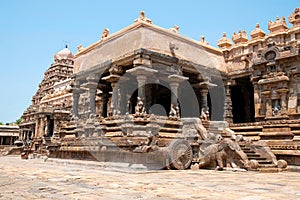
(188, 101)
(50, 126)
(242, 96)
(159, 99)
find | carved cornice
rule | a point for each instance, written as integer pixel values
(224, 42)
(257, 33)
(278, 25)
(294, 17)
(240, 37)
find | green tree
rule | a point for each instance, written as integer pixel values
(18, 121)
(1, 123)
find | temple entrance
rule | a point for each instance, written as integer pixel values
(242, 101)
(50, 126)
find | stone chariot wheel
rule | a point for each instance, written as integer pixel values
(180, 154)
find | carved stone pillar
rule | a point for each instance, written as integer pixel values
(228, 103)
(36, 132)
(42, 127)
(268, 105)
(104, 105)
(122, 104)
(257, 102)
(76, 95)
(141, 79)
(204, 87)
(24, 135)
(141, 74)
(283, 103)
(114, 98)
(92, 95)
(91, 84)
(283, 98)
(174, 81)
(204, 104)
(113, 79)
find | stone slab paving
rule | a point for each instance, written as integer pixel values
(58, 179)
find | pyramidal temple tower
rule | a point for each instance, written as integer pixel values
(51, 104)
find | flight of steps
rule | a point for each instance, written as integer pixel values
(112, 128)
(215, 127)
(249, 131)
(167, 127)
(265, 165)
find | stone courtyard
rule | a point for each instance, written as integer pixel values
(70, 179)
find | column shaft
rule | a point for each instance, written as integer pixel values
(204, 105)
(36, 132)
(92, 95)
(104, 105)
(268, 106)
(141, 79)
(174, 93)
(75, 103)
(228, 105)
(114, 98)
(283, 102)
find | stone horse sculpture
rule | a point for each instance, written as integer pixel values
(218, 153)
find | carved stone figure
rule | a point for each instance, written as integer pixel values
(143, 17)
(105, 33)
(175, 29)
(139, 108)
(204, 115)
(224, 153)
(174, 111)
(276, 109)
(79, 48)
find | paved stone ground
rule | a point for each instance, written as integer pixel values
(59, 179)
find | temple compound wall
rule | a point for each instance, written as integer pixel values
(117, 87)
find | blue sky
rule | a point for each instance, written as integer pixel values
(32, 31)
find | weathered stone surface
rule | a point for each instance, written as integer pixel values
(36, 179)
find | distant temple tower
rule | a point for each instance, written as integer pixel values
(51, 104)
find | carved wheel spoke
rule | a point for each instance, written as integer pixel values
(180, 154)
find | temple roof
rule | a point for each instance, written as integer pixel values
(239, 37)
(224, 42)
(64, 54)
(143, 34)
(257, 33)
(294, 17)
(278, 25)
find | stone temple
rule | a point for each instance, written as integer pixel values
(150, 95)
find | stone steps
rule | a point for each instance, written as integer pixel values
(262, 161)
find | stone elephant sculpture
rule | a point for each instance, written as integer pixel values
(225, 153)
